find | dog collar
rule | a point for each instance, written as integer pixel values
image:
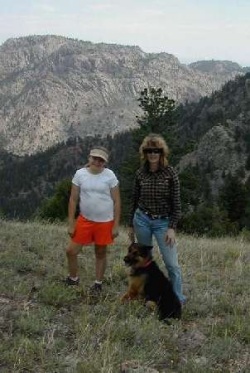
(147, 263)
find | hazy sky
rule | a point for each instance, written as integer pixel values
(190, 29)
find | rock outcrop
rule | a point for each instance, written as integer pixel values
(53, 88)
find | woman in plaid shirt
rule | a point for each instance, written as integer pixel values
(156, 206)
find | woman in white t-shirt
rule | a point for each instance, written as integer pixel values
(96, 189)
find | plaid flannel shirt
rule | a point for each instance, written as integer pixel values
(157, 193)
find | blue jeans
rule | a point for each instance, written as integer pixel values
(145, 228)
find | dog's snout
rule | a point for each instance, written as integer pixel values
(126, 259)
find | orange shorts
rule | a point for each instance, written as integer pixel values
(87, 232)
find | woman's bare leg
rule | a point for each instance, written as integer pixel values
(72, 251)
(101, 261)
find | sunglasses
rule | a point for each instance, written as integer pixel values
(153, 151)
(99, 159)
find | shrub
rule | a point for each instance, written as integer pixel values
(208, 220)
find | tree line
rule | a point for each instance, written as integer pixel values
(202, 213)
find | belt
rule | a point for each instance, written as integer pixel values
(154, 217)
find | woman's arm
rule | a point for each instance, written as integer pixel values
(175, 209)
(115, 195)
(134, 204)
(73, 201)
(175, 201)
(135, 195)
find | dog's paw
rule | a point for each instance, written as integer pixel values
(151, 305)
(129, 296)
(124, 297)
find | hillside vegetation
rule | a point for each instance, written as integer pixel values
(210, 146)
(49, 328)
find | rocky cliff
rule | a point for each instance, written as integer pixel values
(220, 128)
(53, 88)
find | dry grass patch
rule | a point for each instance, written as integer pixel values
(47, 327)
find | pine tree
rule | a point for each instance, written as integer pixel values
(56, 207)
(158, 116)
(233, 199)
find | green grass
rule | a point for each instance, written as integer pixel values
(46, 327)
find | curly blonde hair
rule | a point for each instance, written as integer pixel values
(153, 140)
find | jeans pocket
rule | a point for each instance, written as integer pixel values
(137, 212)
(137, 216)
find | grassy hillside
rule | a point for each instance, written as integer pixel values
(49, 328)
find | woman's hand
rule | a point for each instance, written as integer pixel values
(170, 237)
(131, 234)
(71, 229)
(115, 232)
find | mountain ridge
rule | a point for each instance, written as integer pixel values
(212, 143)
(53, 88)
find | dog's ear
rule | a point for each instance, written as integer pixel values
(145, 251)
(131, 246)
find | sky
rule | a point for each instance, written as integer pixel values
(191, 30)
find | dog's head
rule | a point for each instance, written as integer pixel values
(138, 255)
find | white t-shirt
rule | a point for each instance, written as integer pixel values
(96, 203)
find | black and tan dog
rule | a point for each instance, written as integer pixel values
(147, 281)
